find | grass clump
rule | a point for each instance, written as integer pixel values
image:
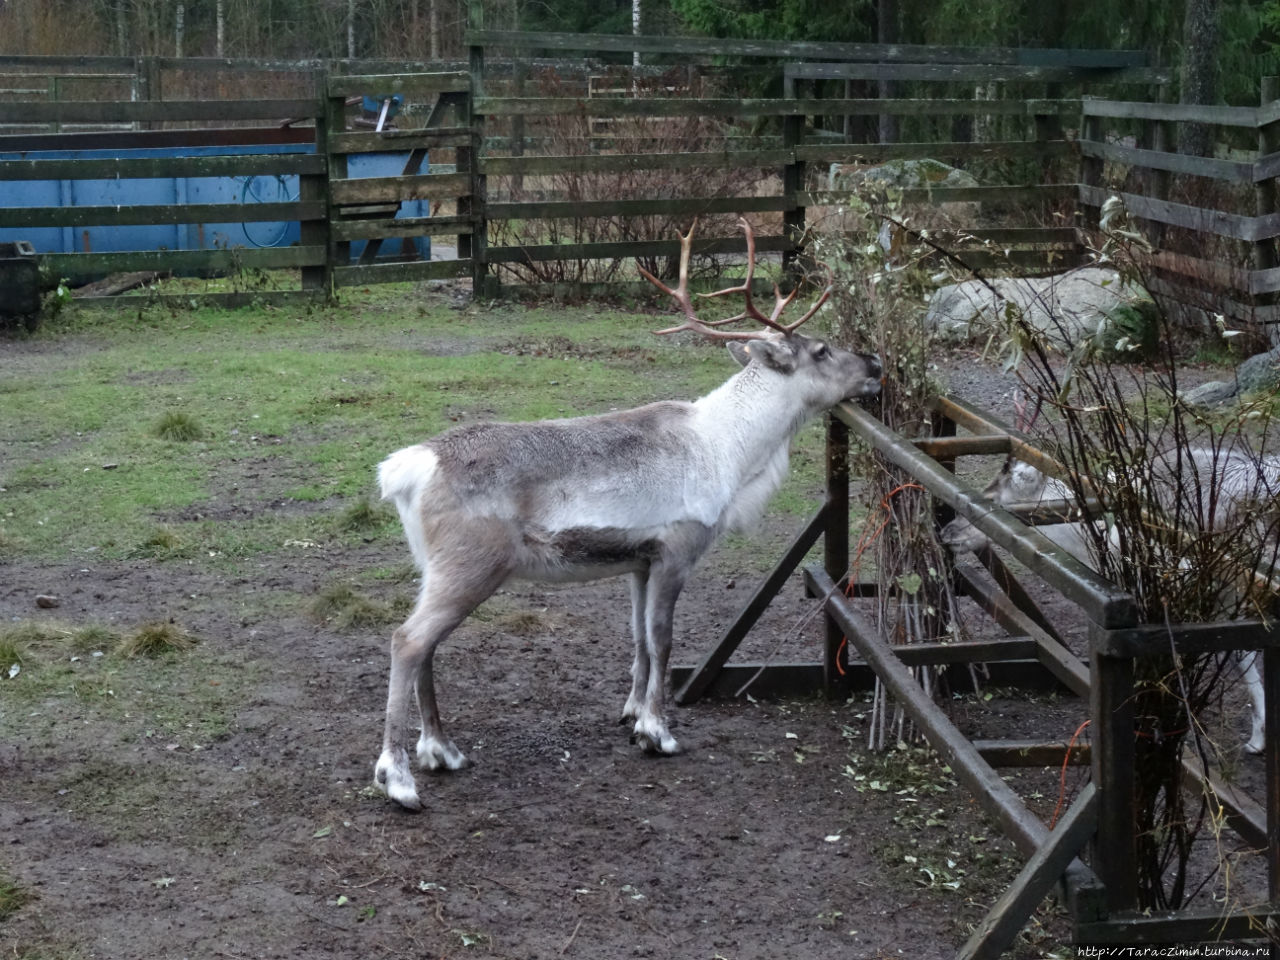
(362, 517)
(161, 542)
(342, 606)
(12, 897)
(178, 427)
(155, 640)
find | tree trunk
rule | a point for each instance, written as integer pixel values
(1199, 71)
(220, 27)
(179, 28)
(351, 29)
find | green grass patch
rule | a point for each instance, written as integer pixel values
(178, 426)
(343, 607)
(170, 419)
(12, 897)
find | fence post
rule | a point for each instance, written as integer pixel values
(475, 244)
(1090, 169)
(792, 184)
(835, 546)
(1112, 723)
(314, 188)
(334, 119)
(1264, 251)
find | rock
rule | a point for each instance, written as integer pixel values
(899, 173)
(46, 601)
(1067, 307)
(1260, 373)
(1215, 393)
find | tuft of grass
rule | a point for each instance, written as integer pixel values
(92, 638)
(343, 607)
(11, 652)
(163, 541)
(12, 898)
(178, 426)
(155, 640)
(362, 517)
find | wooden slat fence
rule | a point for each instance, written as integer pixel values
(1212, 221)
(528, 203)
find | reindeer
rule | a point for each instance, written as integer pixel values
(1231, 482)
(642, 492)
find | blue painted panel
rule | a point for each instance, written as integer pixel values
(170, 190)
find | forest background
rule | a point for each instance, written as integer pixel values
(1217, 49)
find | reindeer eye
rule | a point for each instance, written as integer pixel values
(822, 352)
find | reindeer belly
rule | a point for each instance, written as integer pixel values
(583, 553)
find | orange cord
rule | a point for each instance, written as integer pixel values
(1062, 779)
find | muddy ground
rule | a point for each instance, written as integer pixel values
(257, 836)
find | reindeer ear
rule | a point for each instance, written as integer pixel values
(738, 350)
(776, 354)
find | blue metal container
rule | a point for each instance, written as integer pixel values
(180, 190)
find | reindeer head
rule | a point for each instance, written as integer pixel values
(825, 374)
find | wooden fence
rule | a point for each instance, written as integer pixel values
(1101, 897)
(554, 184)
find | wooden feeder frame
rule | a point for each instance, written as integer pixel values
(1101, 897)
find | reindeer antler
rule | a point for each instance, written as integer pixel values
(750, 311)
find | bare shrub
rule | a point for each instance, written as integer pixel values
(877, 302)
(578, 135)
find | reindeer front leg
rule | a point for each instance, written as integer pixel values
(639, 636)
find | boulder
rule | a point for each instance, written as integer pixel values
(1067, 307)
(1260, 373)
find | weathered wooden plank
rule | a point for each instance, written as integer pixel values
(112, 168)
(180, 261)
(1232, 171)
(704, 674)
(718, 46)
(154, 111)
(1245, 816)
(997, 930)
(141, 139)
(1187, 638)
(430, 186)
(382, 84)
(690, 206)
(159, 213)
(975, 73)
(748, 107)
(1188, 112)
(1032, 753)
(624, 249)
(358, 275)
(1211, 925)
(1201, 219)
(879, 152)
(1055, 658)
(396, 141)
(617, 163)
(401, 227)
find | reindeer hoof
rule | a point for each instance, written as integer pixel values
(392, 777)
(437, 755)
(655, 738)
